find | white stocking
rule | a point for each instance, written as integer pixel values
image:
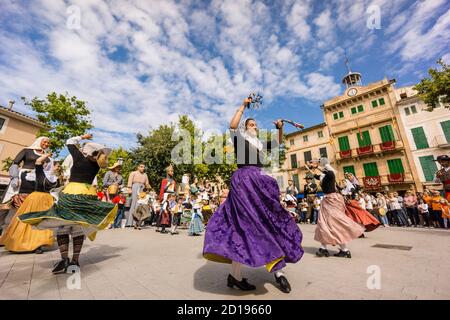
(343, 247)
(236, 270)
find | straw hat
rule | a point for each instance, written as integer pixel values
(90, 147)
(115, 165)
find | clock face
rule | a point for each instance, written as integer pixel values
(352, 92)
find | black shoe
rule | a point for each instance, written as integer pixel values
(39, 251)
(243, 285)
(61, 266)
(284, 284)
(362, 236)
(343, 254)
(322, 253)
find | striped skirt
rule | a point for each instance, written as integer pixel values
(77, 205)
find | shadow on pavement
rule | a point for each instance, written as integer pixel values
(212, 278)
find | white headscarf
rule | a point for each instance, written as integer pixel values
(324, 162)
(48, 170)
(37, 144)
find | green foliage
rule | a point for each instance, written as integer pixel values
(7, 163)
(437, 88)
(65, 117)
(154, 150)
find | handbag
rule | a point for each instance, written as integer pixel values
(382, 211)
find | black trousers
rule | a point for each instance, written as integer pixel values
(413, 215)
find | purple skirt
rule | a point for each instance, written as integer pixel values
(251, 227)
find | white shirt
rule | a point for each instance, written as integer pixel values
(362, 203)
(369, 204)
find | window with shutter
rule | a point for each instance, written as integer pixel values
(413, 109)
(364, 139)
(419, 138)
(323, 152)
(386, 133)
(296, 181)
(294, 161)
(374, 104)
(429, 167)
(344, 145)
(446, 128)
(341, 114)
(320, 134)
(350, 169)
(354, 110)
(335, 116)
(407, 112)
(360, 108)
(308, 156)
(371, 169)
(395, 166)
(381, 101)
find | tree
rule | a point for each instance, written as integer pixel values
(437, 88)
(64, 116)
(155, 149)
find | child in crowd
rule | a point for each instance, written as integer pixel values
(196, 225)
(177, 211)
(424, 214)
(120, 200)
(445, 213)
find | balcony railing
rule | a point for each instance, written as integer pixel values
(376, 182)
(390, 146)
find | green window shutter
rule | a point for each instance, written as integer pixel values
(344, 145)
(381, 101)
(341, 114)
(371, 169)
(296, 181)
(419, 138)
(446, 128)
(350, 169)
(293, 161)
(386, 133)
(335, 116)
(374, 103)
(395, 166)
(360, 108)
(429, 167)
(365, 141)
(354, 110)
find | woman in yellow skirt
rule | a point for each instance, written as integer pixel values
(19, 236)
(78, 212)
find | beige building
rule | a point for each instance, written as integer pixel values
(368, 136)
(428, 133)
(307, 144)
(16, 132)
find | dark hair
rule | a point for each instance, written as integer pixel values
(247, 121)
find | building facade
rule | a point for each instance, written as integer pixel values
(368, 136)
(428, 134)
(305, 145)
(17, 131)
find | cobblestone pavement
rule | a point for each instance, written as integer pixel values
(133, 264)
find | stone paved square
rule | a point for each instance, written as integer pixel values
(133, 264)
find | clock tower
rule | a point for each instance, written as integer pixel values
(352, 79)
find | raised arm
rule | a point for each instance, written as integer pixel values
(73, 149)
(238, 115)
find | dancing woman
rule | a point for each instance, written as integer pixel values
(251, 227)
(19, 236)
(354, 210)
(334, 227)
(77, 212)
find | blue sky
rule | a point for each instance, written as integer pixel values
(142, 63)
